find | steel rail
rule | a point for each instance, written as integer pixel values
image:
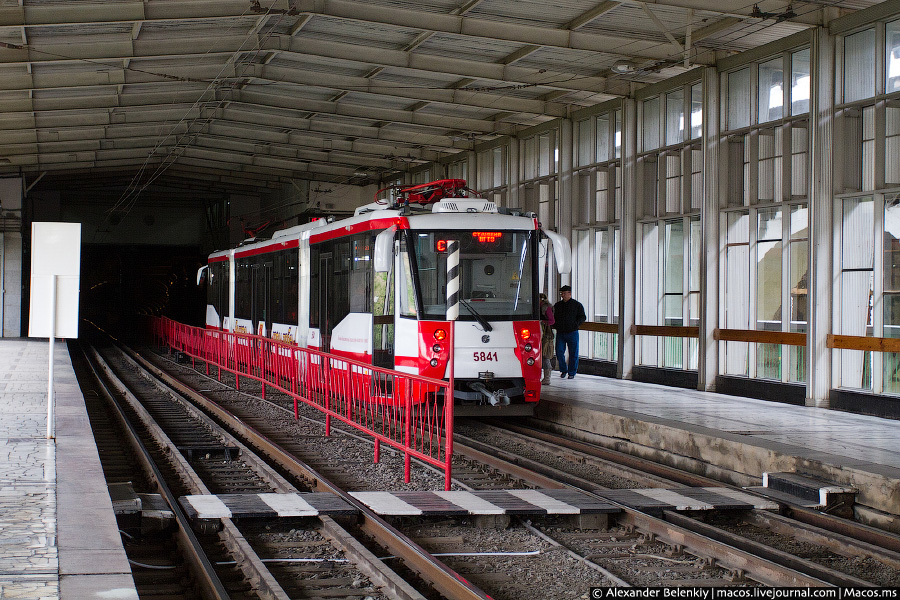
(367, 562)
(761, 569)
(445, 580)
(865, 534)
(783, 558)
(202, 568)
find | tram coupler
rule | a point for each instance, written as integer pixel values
(498, 398)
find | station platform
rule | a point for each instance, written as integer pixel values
(733, 439)
(58, 533)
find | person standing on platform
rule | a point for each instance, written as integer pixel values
(547, 321)
(569, 314)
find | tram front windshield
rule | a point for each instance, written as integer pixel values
(497, 273)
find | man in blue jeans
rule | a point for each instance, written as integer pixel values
(569, 315)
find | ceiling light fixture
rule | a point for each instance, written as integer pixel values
(622, 67)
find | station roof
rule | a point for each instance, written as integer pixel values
(258, 93)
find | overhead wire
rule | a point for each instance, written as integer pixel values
(131, 194)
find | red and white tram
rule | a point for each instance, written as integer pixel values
(372, 287)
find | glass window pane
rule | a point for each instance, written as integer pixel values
(672, 310)
(859, 65)
(618, 134)
(858, 245)
(531, 158)
(799, 161)
(696, 111)
(892, 64)
(768, 285)
(856, 297)
(614, 291)
(675, 117)
(674, 258)
(799, 282)
(891, 373)
(650, 284)
(856, 369)
(737, 282)
(499, 167)
(892, 145)
(800, 82)
(584, 156)
(892, 267)
(738, 228)
(771, 90)
(603, 138)
(799, 270)
(546, 154)
(694, 272)
(650, 126)
(601, 276)
(769, 224)
(768, 361)
(799, 222)
(739, 99)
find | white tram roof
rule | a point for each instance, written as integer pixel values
(449, 213)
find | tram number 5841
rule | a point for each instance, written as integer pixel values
(484, 356)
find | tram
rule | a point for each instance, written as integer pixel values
(372, 287)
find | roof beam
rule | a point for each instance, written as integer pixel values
(301, 46)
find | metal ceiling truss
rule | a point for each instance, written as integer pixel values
(256, 94)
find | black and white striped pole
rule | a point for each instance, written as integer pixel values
(452, 280)
(452, 316)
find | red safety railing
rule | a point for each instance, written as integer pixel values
(405, 411)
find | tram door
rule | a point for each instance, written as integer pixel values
(262, 297)
(326, 314)
(383, 320)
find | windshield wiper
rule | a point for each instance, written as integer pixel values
(481, 320)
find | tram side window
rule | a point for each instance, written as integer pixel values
(383, 311)
(224, 285)
(361, 274)
(405, 286)
(242, 289)
(339, 290)
(212, 286)
(261, 273)
(291, 285)
(217, 289)
(277, 291)
(314, 283)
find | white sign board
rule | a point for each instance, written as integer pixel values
(55, 259)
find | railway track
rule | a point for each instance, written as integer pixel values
(833, 550)
(285, 558)
(638, 550)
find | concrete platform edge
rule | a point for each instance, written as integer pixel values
(726, 457)
(92, 560)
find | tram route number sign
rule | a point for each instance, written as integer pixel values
(55, 263)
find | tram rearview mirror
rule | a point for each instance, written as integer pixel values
(384, 250)
(562, 251)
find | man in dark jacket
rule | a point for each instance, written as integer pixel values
(569, 315)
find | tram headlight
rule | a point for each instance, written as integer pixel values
(440, 335)
(530, 361)
(436, 348)
(433, 362)
(528, 347)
